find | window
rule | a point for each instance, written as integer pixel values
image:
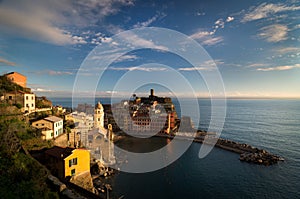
(72, 172)
(27, 105)
(26, 97)
(51, 134)
(43, 124)
(72, 162)
(10, 97)
(31, 105)
(32, 97)
(36, 124)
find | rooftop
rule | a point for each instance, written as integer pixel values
(53, 119)
(14, 73)
(59, 152)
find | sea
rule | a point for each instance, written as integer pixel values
(271, 124)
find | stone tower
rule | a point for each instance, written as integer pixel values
(99, 116)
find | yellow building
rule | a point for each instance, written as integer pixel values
(65, 162)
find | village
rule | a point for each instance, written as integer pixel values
(81, 140)
(78, 143)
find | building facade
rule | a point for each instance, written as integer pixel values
(17, 78)
(52, 122)
(83, 124)
(47, 133)
(29, 102)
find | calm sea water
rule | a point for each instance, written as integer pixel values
(270, 124)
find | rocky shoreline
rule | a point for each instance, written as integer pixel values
(102, 178)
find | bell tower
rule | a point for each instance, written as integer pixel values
(99, 116)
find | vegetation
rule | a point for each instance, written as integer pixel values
(8, 86)
(20, 175)
(42, 102)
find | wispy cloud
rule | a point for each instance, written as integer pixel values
(267, 9)
(279, 68)
(5, 62)
(255, 65)
(288, 50)
(138, 68)
(207, 65)
(207, 38)
(219, 23)
(193, 68)
(138, 41)
(274, 33)
(48, 21)
(150, 20)
(127, 58)
(201, 34)
(53, 72)
(40, 90)
(212, 41)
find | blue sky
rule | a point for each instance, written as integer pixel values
(255, 44)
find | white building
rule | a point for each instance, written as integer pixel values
(83, 124)
(29, 102)
(52, 122)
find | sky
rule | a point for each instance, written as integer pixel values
(255, 45)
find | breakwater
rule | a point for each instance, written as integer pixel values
(247, 152)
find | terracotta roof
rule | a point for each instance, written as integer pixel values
(59, 152)
(53, 119)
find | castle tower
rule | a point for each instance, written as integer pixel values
(99, 116)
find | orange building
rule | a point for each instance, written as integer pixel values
(17, 78)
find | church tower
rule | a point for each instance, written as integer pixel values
(99, 116)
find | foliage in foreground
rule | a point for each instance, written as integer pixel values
(20, 175)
